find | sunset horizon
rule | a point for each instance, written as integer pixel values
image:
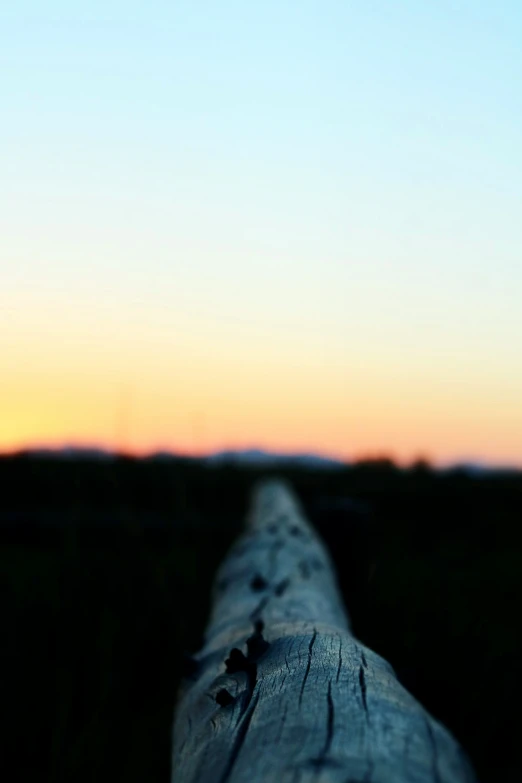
(252, 449)
(297, 228)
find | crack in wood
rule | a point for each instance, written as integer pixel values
(340, 660)
(237, 661)
(239, 740)
(362, 683)
(309, 663)
(329, 722)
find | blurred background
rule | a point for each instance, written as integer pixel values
(240, 239)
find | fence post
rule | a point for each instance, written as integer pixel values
(282, 692)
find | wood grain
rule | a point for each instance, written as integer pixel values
(282, 691)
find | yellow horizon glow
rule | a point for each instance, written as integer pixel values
(206, 400)
(75, 375)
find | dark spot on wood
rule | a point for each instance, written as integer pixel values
(272, 529)
(256, 648)
(283, 718)
(282, 587)
(317, 564)
(257, 644)
(296, 531)
(224, 698)
(258, 583)
(236, 662)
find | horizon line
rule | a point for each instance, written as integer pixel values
(108, 451)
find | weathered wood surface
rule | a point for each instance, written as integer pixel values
(282, 692)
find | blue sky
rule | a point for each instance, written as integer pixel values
(344, 173)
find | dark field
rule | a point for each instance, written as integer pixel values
(106, 572)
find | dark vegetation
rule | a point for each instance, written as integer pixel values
(105, 578)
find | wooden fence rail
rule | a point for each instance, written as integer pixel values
(282, 692)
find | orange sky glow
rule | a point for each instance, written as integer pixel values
(274, 225)
(198, 393)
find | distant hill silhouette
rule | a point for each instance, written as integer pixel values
(260, 458)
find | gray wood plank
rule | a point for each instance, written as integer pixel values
(282, 691)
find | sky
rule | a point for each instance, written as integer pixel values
(291, 225)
